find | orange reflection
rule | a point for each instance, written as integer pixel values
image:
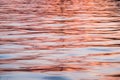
(41, 35)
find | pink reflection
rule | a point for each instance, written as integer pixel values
(43, 34)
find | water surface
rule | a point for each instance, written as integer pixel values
(60, 40)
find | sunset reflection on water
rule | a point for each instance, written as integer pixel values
(59, 40)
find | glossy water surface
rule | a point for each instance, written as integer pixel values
(60, 39)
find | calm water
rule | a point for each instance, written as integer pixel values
(59, 40)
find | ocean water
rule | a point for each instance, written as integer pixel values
(60, 39)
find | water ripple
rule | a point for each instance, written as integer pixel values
(59, 39)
